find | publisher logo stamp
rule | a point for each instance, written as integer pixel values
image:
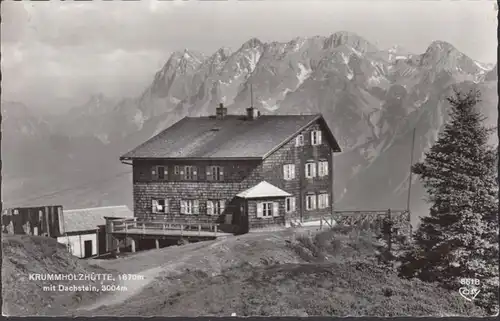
(469, 289)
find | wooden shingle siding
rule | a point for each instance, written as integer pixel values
(272, 171)
(261, 222)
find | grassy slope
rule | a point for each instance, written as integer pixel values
(278, 274)
(23, 255)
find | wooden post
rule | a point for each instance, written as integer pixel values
(215, 230)
(117, 245)
(132, 243)
(126, 227)
(157, 243)
(135, 221)
(199, 229)
(143, 228)
(182, 228)
(320, 223)
(389, 236)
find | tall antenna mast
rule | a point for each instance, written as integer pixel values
(411, 174)
(251, 95)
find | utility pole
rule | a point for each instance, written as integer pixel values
(411, 175)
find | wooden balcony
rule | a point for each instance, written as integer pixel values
(133, 226)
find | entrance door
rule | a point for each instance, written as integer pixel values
(244, 217)
(87, 245)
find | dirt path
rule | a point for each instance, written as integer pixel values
(149, 265)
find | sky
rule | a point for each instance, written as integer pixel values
(57, 54)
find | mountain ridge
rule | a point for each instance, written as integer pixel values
(377, 94)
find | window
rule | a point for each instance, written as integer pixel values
(316, 137)
(310, 170)
(310, 202)
(160, 206)
(159, 173)
(289, 171)
(267, 209)
(299, 140)
(189, 173)
(323, 168)
(290, 204)
(177, 170)
(190, 207)
(323, 200)
(215, 207)
(215, 173)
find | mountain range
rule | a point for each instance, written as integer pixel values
(372, 98)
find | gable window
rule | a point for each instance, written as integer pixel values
(189, 173)
(290, 204)
(310, 170)
(215, 207)
(159, 206)
(299, 140)
(289, 171)
(159, 173)
(190, 207)
(311, 202)
(323, 200)
(323, 168)
(316, 137)
(215, 173)
(267, 209)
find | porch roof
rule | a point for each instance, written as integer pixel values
(263, 190)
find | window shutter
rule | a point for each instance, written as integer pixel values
(154, 173)
(166, 205)
(154, 206)
(313, 170)
(313, 202)
(320, 169)
(276, 209)
(313, 141)
(210, 208)
(327, 200)
(326, 168)
(183, 207)
(260, 209)
(318, 137)
(196, 205)
(221, 173)
(165, 172)
(293, 204)
(209, 173)
(308, 173)
(195, 173)
(292, 171)
(222, 206)
(285, 172)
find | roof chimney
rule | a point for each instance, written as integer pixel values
(220, 112)
(252, 113)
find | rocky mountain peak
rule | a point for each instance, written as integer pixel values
(252, 43)
(350, 39)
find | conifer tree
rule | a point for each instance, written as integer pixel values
(459, 239)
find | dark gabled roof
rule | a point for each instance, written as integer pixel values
(233, 137)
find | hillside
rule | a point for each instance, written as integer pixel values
(272, 273)
(371, 97)
(23, 255)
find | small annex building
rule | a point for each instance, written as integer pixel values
(84, 229)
